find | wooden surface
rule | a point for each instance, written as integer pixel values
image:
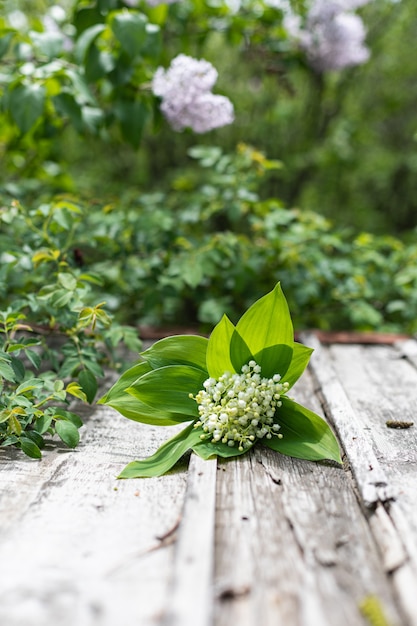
(261, 540)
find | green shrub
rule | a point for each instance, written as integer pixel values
(209, 245)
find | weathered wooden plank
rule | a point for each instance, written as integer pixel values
(88, 549)
(292, 543)
(362, 388)
(189, 601)
(369, 475)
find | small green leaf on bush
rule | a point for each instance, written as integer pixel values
(88, 384)
(6, 371)
(67, 432)
(30, 448)
(74, 389)
(70, 416)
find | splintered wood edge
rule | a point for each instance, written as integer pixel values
(190, 597)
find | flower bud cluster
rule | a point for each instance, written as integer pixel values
(238, 409)
(187, 101)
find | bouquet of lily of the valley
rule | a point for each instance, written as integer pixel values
(231, 391)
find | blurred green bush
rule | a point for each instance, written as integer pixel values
(211, 245)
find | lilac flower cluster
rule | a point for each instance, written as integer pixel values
(333, 37)
(187, 101)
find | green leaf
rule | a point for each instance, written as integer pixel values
(35, 437)
(167, 389)
(26, 105)
(68, 281)
(300, 358)
(305, 434)
(18, 368)
(70, 416)
(207, 450)
(239, 352)
(66, 105)
(86, 39)
(274, 360)
(132, 115)
(43, 423)
(30, 448)
(5, 40)
(67, 432)
(267, 322)
(130, 29)
(165, 457)
(28, 385)
(48, 43)
(178, 350)
(218, 349)
(118, 390)
(6, 371)
(34, 358)
(132, 408)
(88, 383)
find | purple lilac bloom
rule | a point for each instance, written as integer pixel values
(187, 101)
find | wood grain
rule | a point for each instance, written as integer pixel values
(260, 540)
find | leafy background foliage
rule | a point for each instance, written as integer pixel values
(110, 221)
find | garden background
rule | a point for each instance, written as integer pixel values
(121, 209)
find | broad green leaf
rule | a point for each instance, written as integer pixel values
(267, 322)
(218, 348)
(133, 408)
(118, 390)
(167, 389)
(88, 383)
(305, 434)
(153, 42)
(130, 29)
(5, 39)
(240, 354)
(165, 457)
(67, 432)
(300, 358)
(208, 450)
(274, 360)
(178, 350)
(132, 116)
(48, 43)
(66, 105)
(138, 411)
(86, 39)
(30, 448)
(26, 105)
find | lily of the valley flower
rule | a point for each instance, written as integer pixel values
(231, 388)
